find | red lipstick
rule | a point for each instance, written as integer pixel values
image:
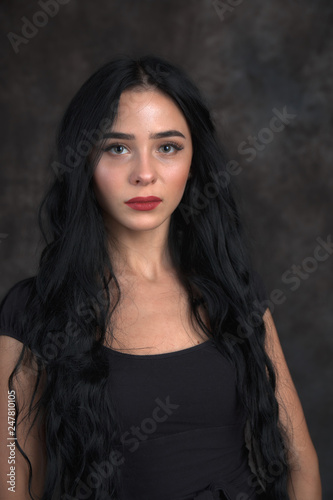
(143, 203)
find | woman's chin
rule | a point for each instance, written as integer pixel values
(138, 226)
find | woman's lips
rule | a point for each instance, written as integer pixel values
(142, 203)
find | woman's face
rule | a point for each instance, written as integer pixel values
(147, 153)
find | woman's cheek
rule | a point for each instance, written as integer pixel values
(105, 181)
(179, 182)
(101, 186)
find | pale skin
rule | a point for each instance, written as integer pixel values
(146, 166)
(153, 316)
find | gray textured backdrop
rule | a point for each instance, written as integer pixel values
(251, 60)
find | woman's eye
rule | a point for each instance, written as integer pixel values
(171, 148)
(119, 149)
(116, 149)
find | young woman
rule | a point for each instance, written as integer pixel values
(142, 361)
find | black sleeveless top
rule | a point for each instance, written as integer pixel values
(183, 427)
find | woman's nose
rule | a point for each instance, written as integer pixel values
(143, 171)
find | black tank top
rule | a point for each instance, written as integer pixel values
(183, 428)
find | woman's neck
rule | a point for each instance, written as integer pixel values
(142, 255)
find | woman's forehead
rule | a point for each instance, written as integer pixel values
(148, 106)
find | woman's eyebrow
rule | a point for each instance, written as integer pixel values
(157, 135)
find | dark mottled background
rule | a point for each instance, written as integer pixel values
(248, 60)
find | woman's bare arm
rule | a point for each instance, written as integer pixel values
(34, 444)
(305, 481)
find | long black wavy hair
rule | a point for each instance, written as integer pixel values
(70, 304)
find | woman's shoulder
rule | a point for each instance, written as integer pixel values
(12, 307)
